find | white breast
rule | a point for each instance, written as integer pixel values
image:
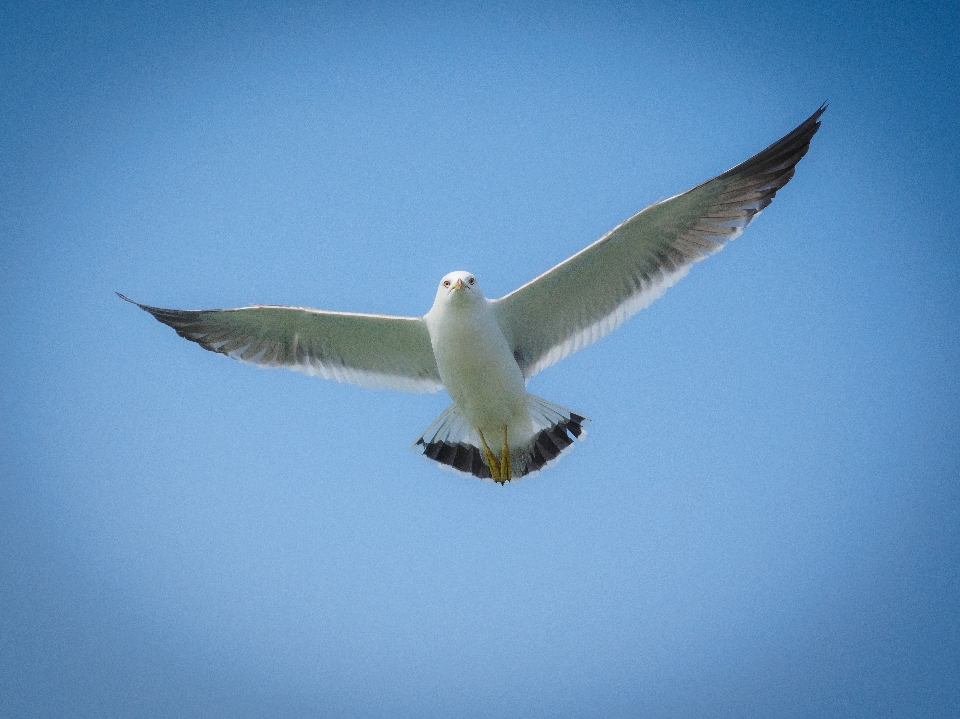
(477, 367)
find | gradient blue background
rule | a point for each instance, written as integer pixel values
(765, 518)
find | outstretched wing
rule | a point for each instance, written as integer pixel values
(378, 351)
(587, 296)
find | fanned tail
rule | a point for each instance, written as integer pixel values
(556, 428)
(454, 444)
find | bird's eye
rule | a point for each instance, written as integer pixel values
(446, 283)
(471, 280)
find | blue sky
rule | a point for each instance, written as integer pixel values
(765, 518)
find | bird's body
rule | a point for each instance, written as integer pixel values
(484, 351)
(476, 365)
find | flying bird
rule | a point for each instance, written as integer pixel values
(483, 351)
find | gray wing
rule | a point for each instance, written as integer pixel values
(587, 296)
(378, 351)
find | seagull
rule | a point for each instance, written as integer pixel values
(484, 351)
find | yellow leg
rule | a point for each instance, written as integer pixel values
(491, 460)
(506, 471)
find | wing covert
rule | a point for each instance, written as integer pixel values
(377, 351)
(588, 295)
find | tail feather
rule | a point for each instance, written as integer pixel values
(454, 444)
(448, 441)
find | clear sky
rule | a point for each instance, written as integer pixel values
(765, 518)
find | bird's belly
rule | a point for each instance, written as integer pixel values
(483, 379)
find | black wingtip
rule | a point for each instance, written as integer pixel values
(145, 308)
(812, 122)
(814, 119)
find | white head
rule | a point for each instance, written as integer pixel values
(458, 287)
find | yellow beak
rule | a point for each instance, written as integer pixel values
(459, 285)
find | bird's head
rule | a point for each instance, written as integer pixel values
(458, 287)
